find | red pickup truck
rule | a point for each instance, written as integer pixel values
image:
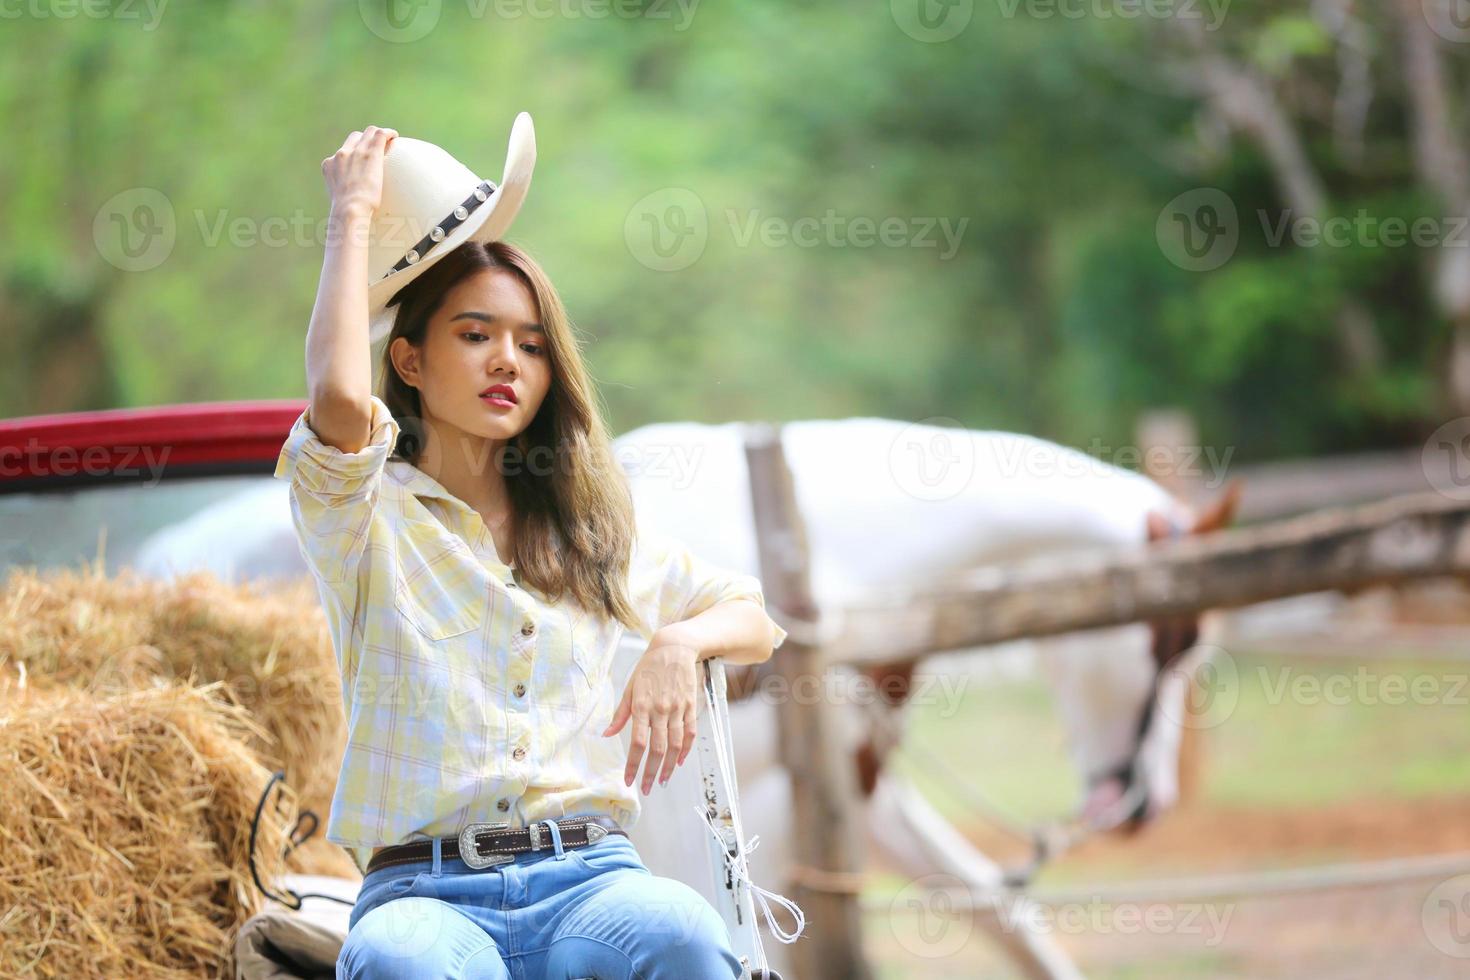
(151, 488)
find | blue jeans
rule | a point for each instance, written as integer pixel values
(595, 911)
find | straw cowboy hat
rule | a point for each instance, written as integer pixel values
(431, 205)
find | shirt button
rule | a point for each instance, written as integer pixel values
(520, 690)
(511, 585)
(519, 753)
(503, 806)
(527, 628)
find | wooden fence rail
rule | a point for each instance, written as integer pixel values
(1415, 536)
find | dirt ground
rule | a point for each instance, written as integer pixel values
(1416, 928)
(1197, 839)
(1354, 933)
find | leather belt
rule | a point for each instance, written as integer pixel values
(482, 845)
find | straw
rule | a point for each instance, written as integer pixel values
(125, 828)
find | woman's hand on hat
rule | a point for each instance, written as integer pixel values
(661, 700)
(354, 174)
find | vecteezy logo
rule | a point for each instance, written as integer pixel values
(932, 462)
(1198, 230)
(667, 230)
(941, 926)
(1212, 688)
(1445, 916)
(1450, 19)
(1446, 459)
(400, 21)
(135, 229)
(932, 21)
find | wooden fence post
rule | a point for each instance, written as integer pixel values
(823, 783)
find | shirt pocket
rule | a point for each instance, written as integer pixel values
(439, 587)
(591, 663)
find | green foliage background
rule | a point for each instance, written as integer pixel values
(1054, 138)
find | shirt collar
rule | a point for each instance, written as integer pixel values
(419, 483)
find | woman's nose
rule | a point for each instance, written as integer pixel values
(504, 353)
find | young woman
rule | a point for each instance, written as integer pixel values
(474, 544)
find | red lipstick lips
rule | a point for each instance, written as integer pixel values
(499, 394)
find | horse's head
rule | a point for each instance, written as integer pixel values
(1151, 773)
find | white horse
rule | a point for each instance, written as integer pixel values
(893, 504)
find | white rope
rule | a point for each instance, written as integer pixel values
(736, 863)
(741, 872)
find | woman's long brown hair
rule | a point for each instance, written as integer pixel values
(573, 521)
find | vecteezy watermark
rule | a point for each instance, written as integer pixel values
(109, 461)
(1446, 458)
(937, 459)
(137, 229)
(922, 689)
(1207, 465)
(1363, 230)
(404, 21)
(1216, 681)
(1450, 19)
(1099, 916)
(674, 465)
(680, 13)
(833, 230)
(1212, 12)
(1199, 230)
(1210, 682)
(146, 13)
(933, 21)
(1445, 916)
(933, 916)
(420, 694)
(932, 459)
(1364, 685)
(669, 229)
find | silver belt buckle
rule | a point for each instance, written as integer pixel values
(467, 852)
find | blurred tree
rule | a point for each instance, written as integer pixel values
(1025, 162)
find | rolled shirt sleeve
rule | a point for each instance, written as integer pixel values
(689, 585)
(333, 493)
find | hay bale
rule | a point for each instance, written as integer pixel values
(124, 835)
(268, 643)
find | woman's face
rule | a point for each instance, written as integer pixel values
(485, 332)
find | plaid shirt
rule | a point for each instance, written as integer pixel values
(470, 697)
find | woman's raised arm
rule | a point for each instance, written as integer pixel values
(338, 367)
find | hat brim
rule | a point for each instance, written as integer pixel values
(487, 223)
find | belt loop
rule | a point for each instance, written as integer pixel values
(438, 855)
(556, 838)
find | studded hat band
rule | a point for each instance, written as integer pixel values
(440, 231)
